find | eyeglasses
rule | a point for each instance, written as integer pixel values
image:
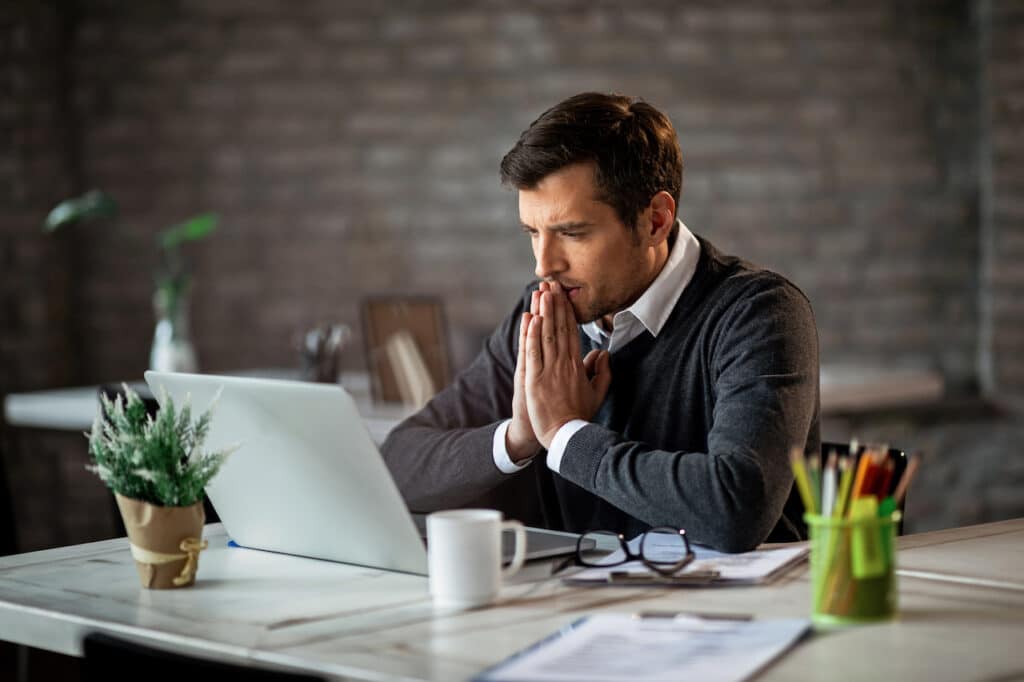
(664, 550)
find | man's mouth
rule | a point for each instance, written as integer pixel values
(571, 292)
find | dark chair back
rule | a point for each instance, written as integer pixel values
(8, 545)
(112, 391)
(111, 658)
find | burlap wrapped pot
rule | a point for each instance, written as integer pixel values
(165, 541)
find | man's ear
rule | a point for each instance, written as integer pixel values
(663, 217)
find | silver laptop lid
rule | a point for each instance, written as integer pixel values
(307, 478)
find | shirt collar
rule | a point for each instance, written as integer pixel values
(656, 303)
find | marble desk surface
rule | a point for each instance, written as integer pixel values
(351, 622)
(74, 409)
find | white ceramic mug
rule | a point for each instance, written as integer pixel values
(464, 556)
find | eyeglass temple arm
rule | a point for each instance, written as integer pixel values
(564, 564)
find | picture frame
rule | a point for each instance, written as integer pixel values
(422, 318)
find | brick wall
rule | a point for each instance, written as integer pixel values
(353, 149)
(1002, 225)
(35, 171)
(43, 483)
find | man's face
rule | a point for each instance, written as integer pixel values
(580, 243)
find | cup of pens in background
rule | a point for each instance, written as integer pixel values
(319, 349)
(853, 513)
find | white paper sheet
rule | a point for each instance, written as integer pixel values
(746, 568)
(615, 646)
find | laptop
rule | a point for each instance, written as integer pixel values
(307, 479)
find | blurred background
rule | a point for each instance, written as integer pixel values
(870, 150)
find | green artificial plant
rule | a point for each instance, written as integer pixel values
(155, 460)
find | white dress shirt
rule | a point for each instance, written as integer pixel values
(649, 313)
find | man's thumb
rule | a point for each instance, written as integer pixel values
(602, 375)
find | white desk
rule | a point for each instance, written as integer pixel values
(74, 409)
(847, 389)
(365, 624)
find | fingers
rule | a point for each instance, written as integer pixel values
(549, 347)
(590, 363)
(534, 356)
(524, 325)
(574, 332)
(566, 332)
(561, 335)
(559, 330)
(534, 311)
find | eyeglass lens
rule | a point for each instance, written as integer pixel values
(664, 546)
(602, 538)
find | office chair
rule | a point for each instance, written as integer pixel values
(8, 545)
(112, 391)
(897, 456)
(108, 657)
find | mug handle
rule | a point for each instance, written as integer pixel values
(520, 554)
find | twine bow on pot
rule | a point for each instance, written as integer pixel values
(189, 546)
(164, 541)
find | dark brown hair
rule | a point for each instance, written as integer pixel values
(633, 147)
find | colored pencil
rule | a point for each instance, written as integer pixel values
(828, 485)
(814, 475)
(845, 485)
(796, 460)
(908, 475)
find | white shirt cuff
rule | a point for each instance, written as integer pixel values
(561, 441)
(500, 454)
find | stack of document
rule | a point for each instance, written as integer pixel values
(708, 568)
(617, 646)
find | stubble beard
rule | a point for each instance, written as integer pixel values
(607, 303)
(602, 307)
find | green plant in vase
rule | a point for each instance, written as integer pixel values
(172, 349)
(157, 472)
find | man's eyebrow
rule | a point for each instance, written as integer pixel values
(561, 227)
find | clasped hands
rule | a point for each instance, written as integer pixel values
(553, 385)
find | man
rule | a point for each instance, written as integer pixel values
(646, 380)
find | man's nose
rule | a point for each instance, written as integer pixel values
(550, 261)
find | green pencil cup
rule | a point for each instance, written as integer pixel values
(853, 569)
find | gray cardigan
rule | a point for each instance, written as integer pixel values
(695, 431)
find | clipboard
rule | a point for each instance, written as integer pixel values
(609, 647)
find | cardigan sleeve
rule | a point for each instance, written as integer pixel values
(442, 456)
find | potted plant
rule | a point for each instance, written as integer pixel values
(172, 349)
(157, 473)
